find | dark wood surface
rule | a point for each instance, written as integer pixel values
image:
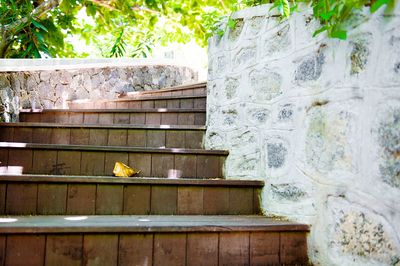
(141, 110)
(152, 223)
(129, 180)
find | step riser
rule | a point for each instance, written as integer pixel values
(170, 118)
(68, 162)
(239, 248)
(189, 139)
(30, 198)
(145, 104)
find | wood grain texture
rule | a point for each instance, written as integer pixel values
(52, 199)
(234, 249)
(100, 250)
(26, 250)
(202, 249)
(136, 200)
(81, 199)
(136, 249)
(293, 248)
(64, 250)
(264, 248)
(21, 199)
(164, 200)
(170, 249)
(109, 199)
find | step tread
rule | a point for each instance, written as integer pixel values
(129, 180)
(18, 145)
(147, 110)
(139, 97)
(177, 88)
(144, 224)
(114, 126)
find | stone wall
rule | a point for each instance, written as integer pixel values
(319, 121)
(52, 88)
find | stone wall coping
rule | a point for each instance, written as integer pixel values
(14, 65)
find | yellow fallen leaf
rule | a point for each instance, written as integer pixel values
(122, 170)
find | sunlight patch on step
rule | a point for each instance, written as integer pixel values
(8, 220)
(76, 218)
(11, 170)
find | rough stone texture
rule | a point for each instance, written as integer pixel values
(52, 88)
(318, 120)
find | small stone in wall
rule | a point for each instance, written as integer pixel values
(254, 25)
(359, 54)
(267, 84)
(286, 112)
(276, 155)
(232, 84)
(389, 139)
(245, 55)
(259, 116)
(310, 68)
(229, 117)
(278, 43)
(287, 192)
(361, 235)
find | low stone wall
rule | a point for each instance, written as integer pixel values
(319, 121)
(35, 88)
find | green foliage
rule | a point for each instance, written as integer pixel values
(38, 28)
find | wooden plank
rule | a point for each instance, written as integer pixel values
(155, 138)
(136, 200)
(3, 189)
(187, 103)
(173, 104)
(64, 250)
(185, 119)
(264, 248)
(6, 134)
(68, 163)
(153, 118)
(241, 201)
(170, 249)
(199, 103)
(234, 249)
(293, 248)
(42, 135)
(190, 200)
(21, 199)
(121, 118)
(111, 159)
(160, 104)
(169, 118)
(92, 163)
(3, 160)
(138, 118)
(117, 137)
(2, 249)
(45, 162)
(136, 249)
(141, 162)
(216, 200)
(164, 200)
(175, 139)
(62, 117)
(25, 250)
(21, 158)
(208, 166)
(106, 118)
(52, 199)
(91, 119)
(202, 249)
(23, 134)
(79, 136)
(257, 201)
(136, 138)
(81, 199)
(199, 119)
(98, 137)
(76, 118)
(100, 250)
(194, 139)
(147, 104)
(109, 199)
(162, 165)
(186, 164)
(60, 136)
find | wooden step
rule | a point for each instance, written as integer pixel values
(89, 195)
(189, 137)
(151, 240)
(31, 158)
(183, 90)
(159, 116)
(145, 102)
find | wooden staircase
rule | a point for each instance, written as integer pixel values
(60, 204)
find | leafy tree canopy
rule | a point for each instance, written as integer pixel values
(38, 28)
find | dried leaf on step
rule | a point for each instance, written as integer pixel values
(122, 170)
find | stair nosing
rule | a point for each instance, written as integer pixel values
(129, 180)
(153, 98)
(101, 126)
(146, 224)
(103, 110)
(39, 146)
